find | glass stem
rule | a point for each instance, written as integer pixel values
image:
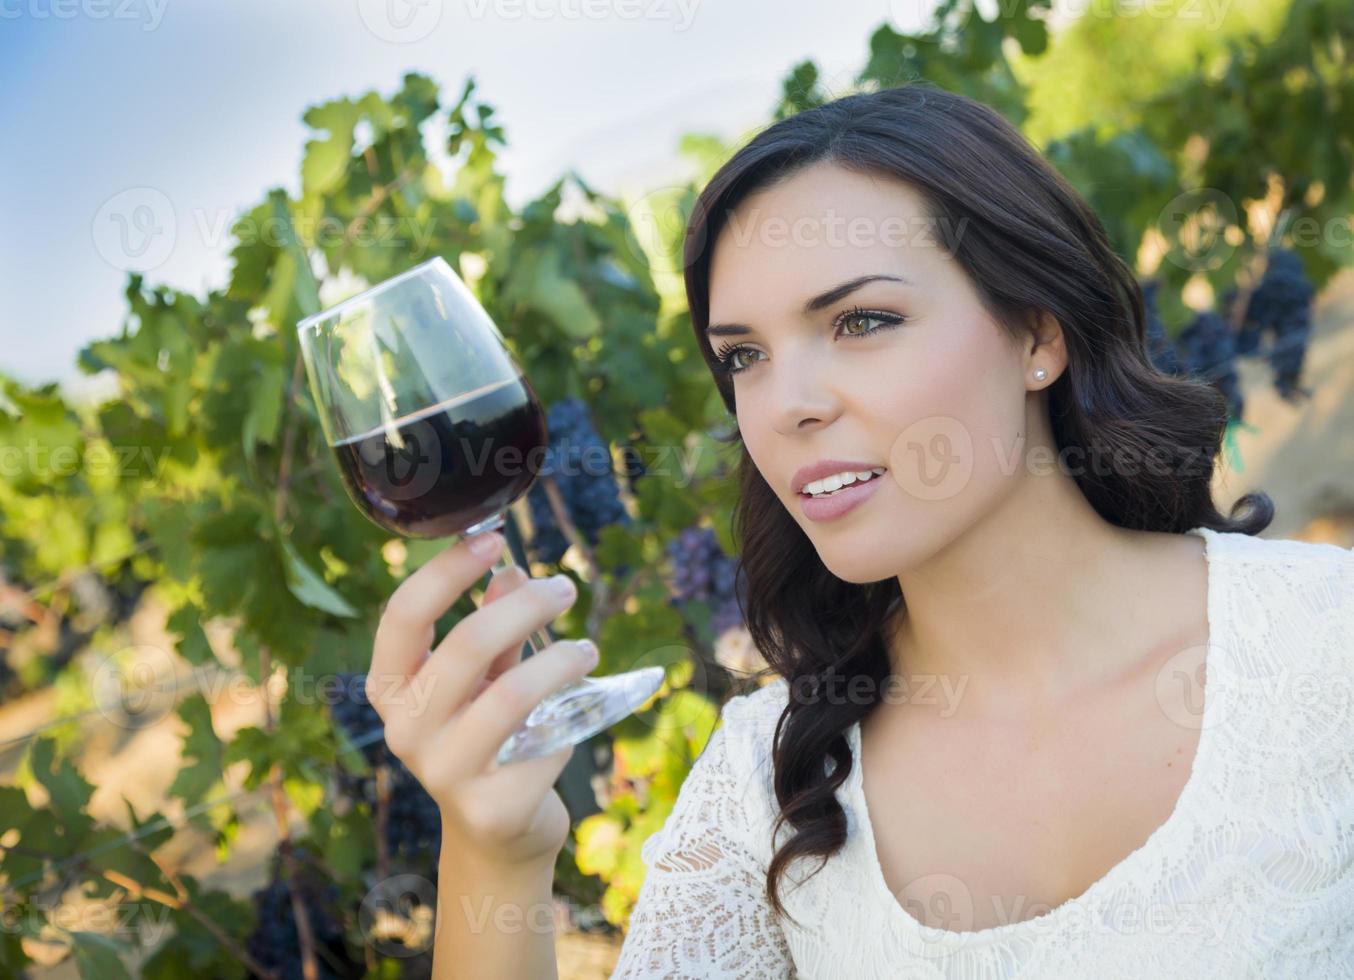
(541, 638)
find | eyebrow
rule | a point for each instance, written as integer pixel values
(814, 304)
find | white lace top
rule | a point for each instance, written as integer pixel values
(1251, 876)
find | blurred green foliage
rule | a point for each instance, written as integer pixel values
(221, 494)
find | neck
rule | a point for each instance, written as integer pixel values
(1022, 607)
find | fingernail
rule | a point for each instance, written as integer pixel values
(485, 544)
(589, 652)
(561, 584)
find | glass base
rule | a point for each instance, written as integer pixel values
(580, 711)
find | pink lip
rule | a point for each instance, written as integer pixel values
(841, 502)
(826, 467)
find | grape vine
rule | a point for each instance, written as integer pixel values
(223, 507)
(579, 461)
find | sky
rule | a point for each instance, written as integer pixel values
(185, 112)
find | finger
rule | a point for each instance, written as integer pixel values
(504, 581)
(542, 772)
(485, 724)
(448, 678)
(520, 789)
(406, 629)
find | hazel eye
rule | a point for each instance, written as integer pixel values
(857, 315)
(727, 355)
(856, 319)
(733, 358)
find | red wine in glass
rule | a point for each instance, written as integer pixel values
(436, 432)
(447, 467)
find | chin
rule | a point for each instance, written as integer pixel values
(857, 576)
(856, 567)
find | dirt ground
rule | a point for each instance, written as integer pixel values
(1302, 455)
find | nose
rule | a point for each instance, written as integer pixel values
(804, 394)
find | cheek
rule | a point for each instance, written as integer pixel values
(958, 409)
(758, 440)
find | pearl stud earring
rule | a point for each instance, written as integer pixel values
(1040, 374)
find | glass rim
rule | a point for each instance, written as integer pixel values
(315, 318)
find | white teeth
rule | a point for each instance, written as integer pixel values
(831, 484)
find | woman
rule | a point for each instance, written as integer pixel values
(1039, 709)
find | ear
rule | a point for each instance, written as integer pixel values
(1045, 345)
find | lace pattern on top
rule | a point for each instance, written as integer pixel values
(702, 910)
(1252, 875)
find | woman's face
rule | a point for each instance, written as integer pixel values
(920, 380)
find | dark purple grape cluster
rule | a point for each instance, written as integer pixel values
(702, 572)
(1208, 351)
(275, 943)
(353, 712)
(1280, 310)
(635, 467)
(726, 616)
(1248, 336)
(1160, 350)
(579, 460)
(413, 822)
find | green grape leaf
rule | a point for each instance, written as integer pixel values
(265, 406)
(193, 952)
(69, 791)
(186, 623)
(308, 586)
(326, 159)
(618, 546)
(561, 299)
(201, 745)
(98, 957)
(109, 853)
(253, 256)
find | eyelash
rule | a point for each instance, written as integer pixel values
(724, 356)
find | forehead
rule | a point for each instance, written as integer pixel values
(816, 228)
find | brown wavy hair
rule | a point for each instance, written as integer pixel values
(1030, 244)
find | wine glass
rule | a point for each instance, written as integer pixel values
(436, 432)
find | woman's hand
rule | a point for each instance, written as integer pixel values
(447, 710)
